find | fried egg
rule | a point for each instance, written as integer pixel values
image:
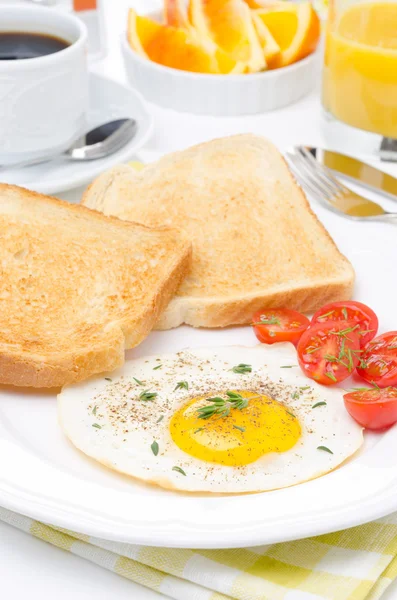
(224, 420)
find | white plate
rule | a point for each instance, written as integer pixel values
(108, 100)
(45, 477)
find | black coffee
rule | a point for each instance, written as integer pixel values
(15, 45)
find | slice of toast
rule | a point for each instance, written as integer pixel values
(77, 288)
(256, 242)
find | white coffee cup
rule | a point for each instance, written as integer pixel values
(43, 100)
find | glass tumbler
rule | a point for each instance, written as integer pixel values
(360, 66)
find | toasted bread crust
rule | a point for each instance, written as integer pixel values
(216, 312)
(229, 194)
(53, 345)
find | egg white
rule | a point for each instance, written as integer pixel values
(106, 420)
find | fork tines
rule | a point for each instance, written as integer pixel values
(314, 177)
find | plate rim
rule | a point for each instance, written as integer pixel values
(165, 539)
(39, 184)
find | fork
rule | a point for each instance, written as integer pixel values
(319, 181)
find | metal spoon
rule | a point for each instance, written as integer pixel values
(97, 143)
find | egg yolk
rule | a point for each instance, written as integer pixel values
(240, 438)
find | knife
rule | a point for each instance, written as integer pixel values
(357, 171)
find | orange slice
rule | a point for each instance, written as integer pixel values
(176, 48)
(254, 4)
(269, 45)
(295, 28)
(229, 24)
(175, 14)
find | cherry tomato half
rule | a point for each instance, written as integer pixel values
(279, 325)
(373, 408)
(350, 311)
(329, 352)
(378, 362)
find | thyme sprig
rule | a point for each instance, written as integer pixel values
(220, 407)
(242, 429)
(179, 470)
(325, 315)
(181, 385)
(267, 321)
(146, 395)
(242, 368)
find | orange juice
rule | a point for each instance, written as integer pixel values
(360, 72)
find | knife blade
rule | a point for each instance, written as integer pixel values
(357, 171)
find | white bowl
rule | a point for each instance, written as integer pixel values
(219, 95)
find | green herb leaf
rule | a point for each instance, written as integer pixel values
(304, 388)
(239, 428)
(221, 406)
(199, 429)
(295, 395)
(94, 410)
(363, 364)
(137, 381)
(342, 349)
(344, 332)
(181, 385)
(161, 417)
(267, 321)
(333, 359)
(319, 404)
(108, 379)
(290, 414)
(328, 314)
(97, 426)
(313, 350)
(331, 375)
(242, 368)
(325, 449)
(350, 360)
(155, 448)
(344, 313)
(146, 395)
(179, 470)
(158, 367)
(288, 366)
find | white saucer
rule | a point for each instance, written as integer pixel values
(108, 100)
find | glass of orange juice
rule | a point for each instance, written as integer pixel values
(360, 69)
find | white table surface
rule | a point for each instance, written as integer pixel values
(29, 568)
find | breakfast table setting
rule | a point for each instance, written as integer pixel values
(75, 521)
